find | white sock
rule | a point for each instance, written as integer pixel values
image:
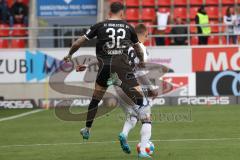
(129, 124)
(146, 133)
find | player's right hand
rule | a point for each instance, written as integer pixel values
(67, 58)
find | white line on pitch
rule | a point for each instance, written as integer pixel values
(20, 115)
(107, 142)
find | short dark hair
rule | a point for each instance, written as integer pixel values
(116, 7)
(140, 28)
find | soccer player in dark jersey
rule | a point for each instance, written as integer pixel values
(114, 36)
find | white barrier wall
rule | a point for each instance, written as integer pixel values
(25, 73)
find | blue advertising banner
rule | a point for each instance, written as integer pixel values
(63, 8)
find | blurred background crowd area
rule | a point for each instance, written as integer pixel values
(169, 22)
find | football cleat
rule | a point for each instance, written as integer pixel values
(85, 133)
(114, 80)
(123, 142)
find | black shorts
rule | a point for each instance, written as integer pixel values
(124, 70)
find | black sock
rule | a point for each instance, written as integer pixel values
(92, 110)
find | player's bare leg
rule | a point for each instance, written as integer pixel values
(134, 93)
(92, 110)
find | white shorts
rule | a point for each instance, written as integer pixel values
(131, 111)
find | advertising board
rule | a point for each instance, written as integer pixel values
(59, 8)
(218, 83)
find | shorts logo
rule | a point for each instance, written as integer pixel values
(215, 59)
(235, 83)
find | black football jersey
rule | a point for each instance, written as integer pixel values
(114, 37)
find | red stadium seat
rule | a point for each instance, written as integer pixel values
(196, 2)
(150, 42)
(213, 40)
(133, 23)
(148, 14)
(148, 3)
(164, 2)
(132, 3)
(212, 2)
(148, 25)
(26, 2)
(164, 9)
(19, 30)
(18, 43)
(231, 2)
(11, 2)
(4, 30)
(194, 40)
(167, 41)
(212, 12)
(193, 29)
(224, 9)
(215, 28)
(180, 2)
(224, 40)
(132, 14)
(168, 30)
(193, 12)
(3, 43)
(180, 12)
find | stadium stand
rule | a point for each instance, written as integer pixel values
(193, 29)
(213, 40)
(164, 2)
(15, 30)
(212, 12)
(132, 3)
(18, 43)
(19, 30)
(185, 9)
(132, 14)
(212, 2)
(214, 26)
(149, 3)
(196, 2)
(193, 12)
(148, 14)
(194, 40)
(163, 9)
(3, 43)
(180, 2)
(4, 30)
(228, 2)
(180, 12)
(10, 2)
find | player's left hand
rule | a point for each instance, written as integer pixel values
(67, 58)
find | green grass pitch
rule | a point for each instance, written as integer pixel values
(179, 133)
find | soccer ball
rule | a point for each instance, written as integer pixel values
(149, 149)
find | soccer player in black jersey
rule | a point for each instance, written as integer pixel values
(114, 36)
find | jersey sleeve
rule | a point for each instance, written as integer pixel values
(134, 37)
(92, 32)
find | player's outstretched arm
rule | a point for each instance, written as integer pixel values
(75, 46)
